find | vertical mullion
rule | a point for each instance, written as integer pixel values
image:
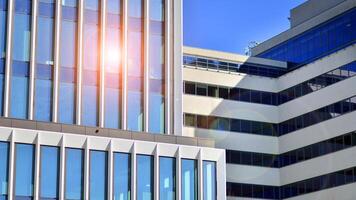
(124, 64)
(56, 61)
(167, 63)
(156, 174)
(37, 169)
(11, 190)
(8, 58)
(133, 171)
(110, 171)
(79, 62)
(146, 65)
(31, 92)
(178, 174)
(200, 175)
(62, 169)
(86, 169)
(102, 64)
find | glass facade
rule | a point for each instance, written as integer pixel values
(49, 174)
(68, 52)
(3, 29)
(189, 179)
(91, 51)
(209, 180)
(167, 178)
(4, 177)
(74, 174)
(98, 175)
(44, 60)
(113, 64)
(122, 176)
(20, 59)
(144, 179)
(135, 66)
(156, 67)
(24, 171)
(318, 42)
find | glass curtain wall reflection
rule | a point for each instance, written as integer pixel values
(91, 51)
(3, 29)
(156, 66)
(144, 180)
(98, 175)
(135, 66)
(24, 171)
(68, 52)
(49, 173)
(209, 180)
(4, 177)
(44, 60)
(74, 174)
(167, 178)
(122, 176)
(113, 64)
(189, 180)
(20, 59)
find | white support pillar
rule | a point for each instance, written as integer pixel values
(56, 66)
(133, 171)
(124, 64)
(62, 169)
(86, 169)
(156, 173)
(146, 65)
(31, 93)
(79, 61)
(168, 66)
(102, 64)
(10, 13)
(11, 189)
(110, 171)
(200, 175)
(37, 177)
(178, 174)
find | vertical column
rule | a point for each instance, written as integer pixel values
(168, 66)
(62, 169)
(11, 167)
(56, 60)
(124, 64)
(146, 37)
(178, 174)
(31, 92)
(79, 62)
(8, 58)
(200, 175)
(86, 169)
(102, 64)
(133, 171)
(156, 174)
(37, 168)
(110, 171)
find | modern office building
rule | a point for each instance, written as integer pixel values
(90, 104)
(286, 116)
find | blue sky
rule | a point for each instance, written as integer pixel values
(229, 25)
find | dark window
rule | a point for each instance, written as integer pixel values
(189, 88)
(213, 91)
(201, 89)
(223, 92)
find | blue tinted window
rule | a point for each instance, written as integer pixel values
(209, 180)
(49, 172)
(156, 114)
(24, 173)
(98, 175)
(144, 178)
(67, 75)
(4, 177)
(167, 178)
(189, 179)
(122, 176)
(20, 59)
(3, 18)
(74, 174)
(135, 111)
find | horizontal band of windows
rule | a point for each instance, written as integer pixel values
(315, 184)
(246, 68)
(317, 42)
(271, 98)
(325, 147)
(270, 129)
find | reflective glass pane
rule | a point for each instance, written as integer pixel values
(156, 114)
(135, 111)
(144, 178)
(122, 176)
(49, 172)
(98, 175)
(209, 180)
(24, 171)
(4, 177)
(74, 174)
(3, 19)
(167, 178)
(189, 180)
